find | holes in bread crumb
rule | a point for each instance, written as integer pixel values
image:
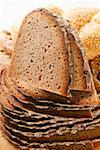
(59, 58)
(38, 67)
(45, 50)
(40, 76)
(50, 66)
(51, 71)
(48, 85)
(75, 71)
(29, 22)
(46, 27)
(19, 34)
(32, 53)
(49, 46)
(31, 60)
(17, 56)
(55, 26)
(43, 57)
(59, 87)
(41, 70)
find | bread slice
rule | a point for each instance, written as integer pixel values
(55, 133)
(41, 57)
(82, 86)
(84, 145)
(24, 92)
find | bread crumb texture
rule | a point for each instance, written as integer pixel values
(41, 55)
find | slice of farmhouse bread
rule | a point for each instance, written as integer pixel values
(82, 85)
(41, 57)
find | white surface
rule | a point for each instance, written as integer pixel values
(12, 11)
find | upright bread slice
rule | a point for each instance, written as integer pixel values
(41, 57)
(81, 77)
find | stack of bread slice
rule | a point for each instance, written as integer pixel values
(47, 95)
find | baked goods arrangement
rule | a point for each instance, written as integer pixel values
(47, 95)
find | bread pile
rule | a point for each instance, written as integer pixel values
(47, 95)
(87, 23)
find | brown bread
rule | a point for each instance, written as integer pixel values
(44, 63)
(82, 86)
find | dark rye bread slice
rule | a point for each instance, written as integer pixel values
(81, 76)
(41, 57)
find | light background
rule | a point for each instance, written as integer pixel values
(12, 11)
